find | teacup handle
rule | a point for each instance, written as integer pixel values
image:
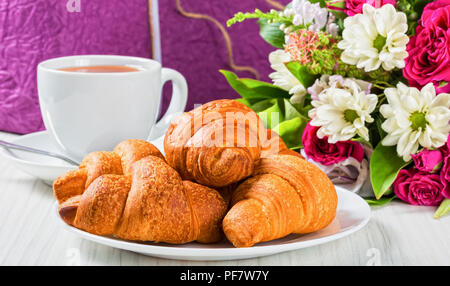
(177, 103)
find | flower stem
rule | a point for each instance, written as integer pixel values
(381, 84)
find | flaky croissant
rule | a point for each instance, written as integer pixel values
(134, 194)
(285, 195)
(218, 143)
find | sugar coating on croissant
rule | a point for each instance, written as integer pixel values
(285, 195)
(134, 194)
(218, 143)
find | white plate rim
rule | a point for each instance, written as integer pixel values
(255, 251)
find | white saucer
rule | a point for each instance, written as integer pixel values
(353, 213)
(43, 167)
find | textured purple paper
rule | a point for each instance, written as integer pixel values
(197, 49)
(35, 30)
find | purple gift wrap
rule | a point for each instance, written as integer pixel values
(197, 48)
(35, 30)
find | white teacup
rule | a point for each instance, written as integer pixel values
(88, 112)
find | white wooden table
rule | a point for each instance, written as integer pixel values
(398, 234)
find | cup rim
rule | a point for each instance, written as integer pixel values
(43, 66)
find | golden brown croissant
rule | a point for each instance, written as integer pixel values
(218, 143)
(134, 194)
(285, 195)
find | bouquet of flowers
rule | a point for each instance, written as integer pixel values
(361, 87)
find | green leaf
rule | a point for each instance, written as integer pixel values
(303, 109)
(443, 209)
(291, 132)
(267, 110)
(271, 33)
(379, 123)
(273, 107)
(250, 101)
(376, 133)
(323, 4)
(264, 105)
(290, 111)
(244, 101)
(280, 115)
(380, 202)
(252, 90)
(384, 167)
(301, 73)
(340, 21)
(292, 128)
(362, 141)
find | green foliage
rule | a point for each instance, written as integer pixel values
(269, 23)
(443, 209)
(273, 107)
(252, 90)
(376, 133)
(362, 141)
(282, 117)
(272, 17)
(326, 59)
(413, 10)
(384, 168)
(301, 73)
(337, 9)
(380, 202)
(270, 111)
(323, 4)
(291, 131)
(271, 33)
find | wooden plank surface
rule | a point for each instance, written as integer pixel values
(398, 234)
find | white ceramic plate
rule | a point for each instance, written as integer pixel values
(43, 167)
(353, 213)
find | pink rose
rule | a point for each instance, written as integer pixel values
(445, 177)
(429, 49)
(356, 6)
(433, 15)
(445, 150)
(418, 188)
(445, 171)
(319, 150)
(428, 160)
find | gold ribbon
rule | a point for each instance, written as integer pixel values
(275, 4)
(152, 28)
(224, 34)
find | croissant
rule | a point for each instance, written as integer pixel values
(285, 195)
(219, 143)
(134, 194)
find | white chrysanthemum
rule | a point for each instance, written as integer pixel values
(283, 78)
(306, 13)
(341, 113)
(337, 81)
(375, 38)
(415, 118)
